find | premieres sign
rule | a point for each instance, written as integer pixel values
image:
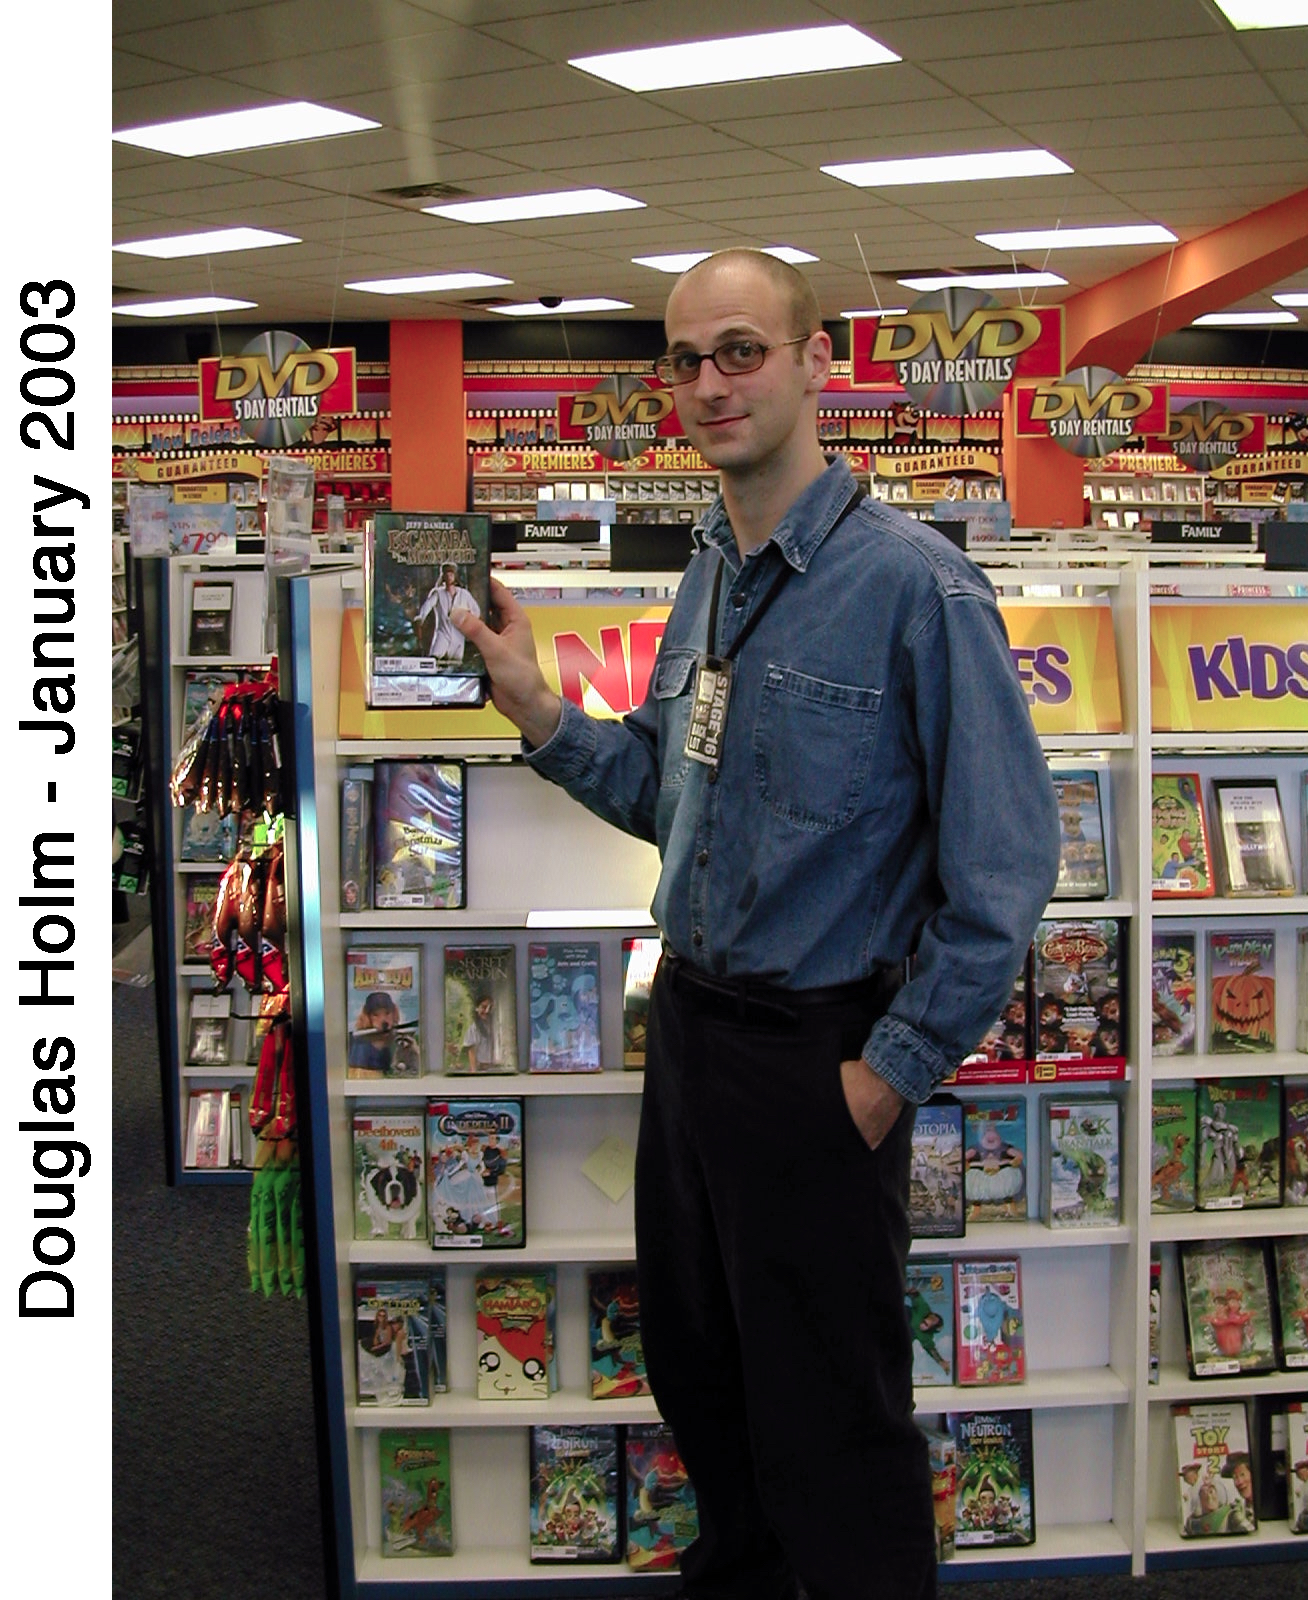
(277, 389)
(955, 351)
(1090, 411)
(621, 417)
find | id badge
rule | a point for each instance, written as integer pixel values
(708, 711)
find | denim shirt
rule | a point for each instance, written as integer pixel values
(881, 794)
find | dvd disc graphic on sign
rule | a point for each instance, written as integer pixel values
(1209, 436)
(620, 422)
(1105, 430)
(274, 431)
(955, 382)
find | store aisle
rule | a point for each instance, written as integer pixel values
(215, 1472)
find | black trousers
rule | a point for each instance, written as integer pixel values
(771, 1245)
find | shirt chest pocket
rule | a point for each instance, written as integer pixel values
(674, 674)
(813, 748)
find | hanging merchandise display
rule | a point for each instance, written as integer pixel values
(231, 764)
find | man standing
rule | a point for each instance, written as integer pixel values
(442, 598)
(837, 762)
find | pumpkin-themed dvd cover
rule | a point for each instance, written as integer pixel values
(1242, 992)
(1239, 1155)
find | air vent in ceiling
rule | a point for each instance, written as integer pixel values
(423, 191)
(489, 303)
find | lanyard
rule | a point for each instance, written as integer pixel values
(708, 712)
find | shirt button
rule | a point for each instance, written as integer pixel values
(701, 860)
(697, 938)
(713, 775)
(738, 600)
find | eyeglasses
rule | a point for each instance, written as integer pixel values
(731, 359)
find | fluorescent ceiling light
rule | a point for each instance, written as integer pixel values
(183, 308)
(875, 311)
(674, 263)
(288, 123)
(216, 242)
(739, 59)
(986, 280)
(1243, 14)
(1078, 238)
(1243, 319)
(948, 169)
(433, 283)
(524, 207)
(565, 308)
(787, 252)
(1292, 297)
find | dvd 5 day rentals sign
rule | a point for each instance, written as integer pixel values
(621, 417)
(955, 351)
(1221, 668)
(277, 389)
(1090, 411)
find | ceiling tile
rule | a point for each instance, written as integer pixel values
(1074, 66)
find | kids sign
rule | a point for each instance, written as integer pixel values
(955, 351)
(1229, 668)
(277, 388)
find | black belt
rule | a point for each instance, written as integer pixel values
(754, 1000)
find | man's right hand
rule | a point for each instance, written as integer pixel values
(518, 687)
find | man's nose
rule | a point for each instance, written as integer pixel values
(710, 384)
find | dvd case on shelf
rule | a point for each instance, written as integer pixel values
(208, 1043)
(1227, 1306)
(1081, 1171)
(929, 1301)
(476, 1170)
(356, 839)
(392, 1332)
(1179, 843)
(995, 1477)
(420, 835)
(388, 1158)
(1171, 1186)
(416, 1513)
(994, 1160)
(1296, 1461)
(1082, 853)
(563, 1002)
(935, 1174)
(943, 1459)
(481, 1009)
(617, 1357)
(208, 1132)
(640, 957)
(515, 1334)
(1254, 854)
(1175, 974)
(662, 1518)
(1239, 1155)
(1290, 1260)
(1080, 1021)
(1242, 991)
(1295, 1095)
(383, 998)
(575, 1484)
(1214, 1470)
(989, 1328)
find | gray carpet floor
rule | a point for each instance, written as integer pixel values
(215, 1468)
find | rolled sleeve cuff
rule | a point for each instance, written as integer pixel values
(568, 751)
(908, 1061)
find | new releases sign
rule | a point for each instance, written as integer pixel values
(621, 417)
(1090, 411)
(955, 351)
(278, 389)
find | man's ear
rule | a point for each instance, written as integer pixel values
(817, 356)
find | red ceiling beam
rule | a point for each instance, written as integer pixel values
(1115, 323)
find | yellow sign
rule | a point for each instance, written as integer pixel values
(197, 494)
(1066, 659)
(601, 658)
(242, 465)
(1285, 462)
(931, 463)
(1230, 668)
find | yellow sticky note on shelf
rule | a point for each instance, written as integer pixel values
(611, 1167)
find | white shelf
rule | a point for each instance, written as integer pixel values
(1052, 1390)
(1074, 910)
(989, 1238)
(1163, 1538)
(542, 1248)
(1253, 1222)
(591, 917)
(1256, 742)
(231, 1070)
(1275, 1064)
(1279, 905)
(425, 749)
(1056, 1542)
(181, 867)
(218, 663)
(1175, 1383)
(462, 1409)
(447, 1086)
(1056, 743)
(498, 1564)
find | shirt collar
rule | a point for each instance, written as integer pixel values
(803, 528)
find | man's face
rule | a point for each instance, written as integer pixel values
(745, 422)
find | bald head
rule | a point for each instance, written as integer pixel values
(803, 314)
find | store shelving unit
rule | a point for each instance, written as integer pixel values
(1103, 1446)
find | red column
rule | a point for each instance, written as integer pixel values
(1043, 483)
(428, 449)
